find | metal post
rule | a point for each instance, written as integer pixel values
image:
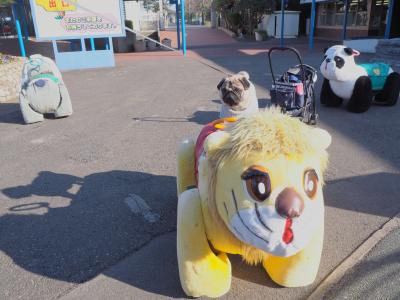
(83, 45)
(20, 40)
(312, 25)
(22, 17)
(389, 19)
(108, 43)
(183, 27)
(282, 21)
(178, 30)
(92, 45)
(346, 10)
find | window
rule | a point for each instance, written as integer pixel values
(332, 14)
(378, 13)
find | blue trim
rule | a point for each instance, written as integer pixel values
(312, 26)
(346, 12)
(183, 27)
(122, 25)
(389, 19)
(178, 31)
(22, 15)
(92, 45)
(282, 21)
(20, 40)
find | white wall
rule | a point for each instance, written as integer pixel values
(132, 11)
(362, 45)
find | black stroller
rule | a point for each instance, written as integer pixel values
(294, 91)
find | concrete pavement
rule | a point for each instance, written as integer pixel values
(65, 184)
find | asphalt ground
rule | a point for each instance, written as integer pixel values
(67, 185)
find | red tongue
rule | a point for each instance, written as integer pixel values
(287, 236)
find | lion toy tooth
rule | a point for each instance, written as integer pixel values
(252, 187)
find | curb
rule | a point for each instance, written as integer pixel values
(227, 31)
(355, 257)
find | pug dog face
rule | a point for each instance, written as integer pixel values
(234, 89)
(338, 63)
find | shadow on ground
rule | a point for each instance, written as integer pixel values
(72, 228)
(199, 117)
(88, 227)
(375, 194)
(10, 113)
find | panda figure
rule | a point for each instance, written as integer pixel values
(359, 85)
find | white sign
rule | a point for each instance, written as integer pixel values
(66, 19)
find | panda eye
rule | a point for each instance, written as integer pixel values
(258, 183)
(310, 183)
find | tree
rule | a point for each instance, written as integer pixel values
(6, 2)
(243, 16)
(197, 8)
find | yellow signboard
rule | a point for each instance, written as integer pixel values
(57, 5)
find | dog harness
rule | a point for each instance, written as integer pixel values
(204, 133)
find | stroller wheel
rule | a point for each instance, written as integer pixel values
(313, 119)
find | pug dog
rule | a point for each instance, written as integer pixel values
(238, 95)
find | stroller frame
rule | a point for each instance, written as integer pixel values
(284, 93)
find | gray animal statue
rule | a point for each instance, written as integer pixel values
(43, 90)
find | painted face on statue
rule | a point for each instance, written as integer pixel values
(338, 63)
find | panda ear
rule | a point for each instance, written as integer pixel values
(348, 51)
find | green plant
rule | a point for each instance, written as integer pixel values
(249, 12)
(6, 2)
(263, 33)
(5, 58)
(129, 24)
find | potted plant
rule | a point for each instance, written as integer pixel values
(260, 35)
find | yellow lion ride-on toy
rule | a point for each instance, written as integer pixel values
(252, 187)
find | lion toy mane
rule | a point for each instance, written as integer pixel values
(251, 187)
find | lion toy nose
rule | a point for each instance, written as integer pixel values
(289, 204)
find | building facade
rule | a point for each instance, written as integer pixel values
(365, 18)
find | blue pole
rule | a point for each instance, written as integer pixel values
(22, 17)
(346, 10)
(178, 30)
(92, 44)
(389, 19)
(312, 25)
(20, 40)
(183, 27)
(282, 21)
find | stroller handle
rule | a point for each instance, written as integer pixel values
(291, 49)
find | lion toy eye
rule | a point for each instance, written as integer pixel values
(258, 183)
(310, 183)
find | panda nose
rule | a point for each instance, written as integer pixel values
(289, 204)
(328, 60)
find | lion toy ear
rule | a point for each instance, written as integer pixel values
(320, 137)
(216, 140)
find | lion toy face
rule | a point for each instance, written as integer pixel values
(266, 206)
(260, 191)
